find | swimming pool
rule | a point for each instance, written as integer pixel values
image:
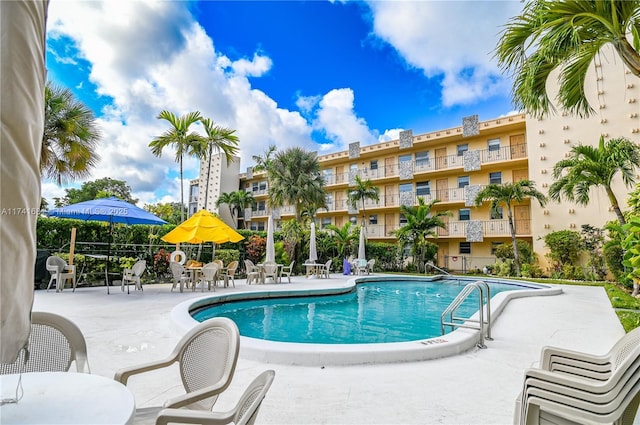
(337, 353)
(373, 312)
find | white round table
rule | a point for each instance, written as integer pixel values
(66, 398)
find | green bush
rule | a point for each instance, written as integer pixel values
(505, 251)
(613, 254)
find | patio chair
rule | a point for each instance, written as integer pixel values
(229, 273)
(360, 266)
(209, 276)
(286, 271)
(54, 344)
(244, 412)
(253, 272)
(270, 270)
(582, 388)
(60, 272)
(180, 276)
(206, 356)
(326, 270)
(219, 263)
(133, 274)
(370, 265)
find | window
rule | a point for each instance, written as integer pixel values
(261, 226)
(325, 222)
(494, 247)
(495, 178)
(403, 220)
(493, 145)
(463, 181)
(373, 219)
(262, 206)
(422, 159)
(497, 214)
(254, 186)
(465, 247)
(462, 149)
(403, 159)
(464, 214)
(406, 188)
(373, 165)
(263, 186)
(254, 226)
(423, 188)
(329, 200)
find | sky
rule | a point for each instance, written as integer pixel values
(314, 74)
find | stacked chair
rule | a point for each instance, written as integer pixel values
(577, 388)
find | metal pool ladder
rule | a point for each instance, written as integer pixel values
(449, 318)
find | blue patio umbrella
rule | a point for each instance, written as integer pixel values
(110, 210)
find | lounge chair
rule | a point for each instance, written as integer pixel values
(206, 356)
(60, 272)
(133, 274)
(245, 411)
(54, 344)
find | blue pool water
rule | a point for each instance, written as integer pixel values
(374, 312)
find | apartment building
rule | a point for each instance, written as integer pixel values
(453, 165)
(223, 177)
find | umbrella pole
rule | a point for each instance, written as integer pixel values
(106, 266)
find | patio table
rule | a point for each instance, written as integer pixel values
(313, 268)
(66, 398)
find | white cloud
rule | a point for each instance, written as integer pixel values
(452, 40)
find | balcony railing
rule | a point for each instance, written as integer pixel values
(500, 227)
(438, 163)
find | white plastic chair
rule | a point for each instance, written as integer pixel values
(253, 272)
(60, 272)
(180, 276)
(209, 276)
(286, 271)
(54, 344)
(133, 275)
(206, 356)
(229, 273)
(244, 412)
(270, 270)
(370, 265)
(583, 388)
(326, 270)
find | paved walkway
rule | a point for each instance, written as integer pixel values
(477, 387)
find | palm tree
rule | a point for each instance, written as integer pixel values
(421, 224)
(264, 162)
(344, 238)
(508, 194)
(242, 200)
(361, 192)
(222, 139)
(565, 34)
(588, 166)
(228, 198)
(70, 136)
(184, 142)
(295, 179)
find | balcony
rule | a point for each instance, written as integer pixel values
(440, 163)
(490, 228)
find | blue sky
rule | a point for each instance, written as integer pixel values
(314, 74)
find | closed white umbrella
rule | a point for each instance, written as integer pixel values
(271, 249)
(361, 249)
(22, 82)
(313, 253)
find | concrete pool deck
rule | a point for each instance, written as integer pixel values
(476, 387)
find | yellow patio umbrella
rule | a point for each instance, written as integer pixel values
(201, 227)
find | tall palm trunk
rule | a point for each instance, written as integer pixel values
(181, 193)
(614, 204)
(512, 228)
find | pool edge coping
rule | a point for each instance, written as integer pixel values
(456, 342)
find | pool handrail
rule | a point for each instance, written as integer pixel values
(483, 292)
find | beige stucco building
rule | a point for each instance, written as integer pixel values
(453, 164)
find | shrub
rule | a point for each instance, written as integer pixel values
(505, 251)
